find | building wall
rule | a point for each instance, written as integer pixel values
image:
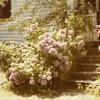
(16, 3)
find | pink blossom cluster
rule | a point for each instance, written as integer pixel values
(50, 52)
(15, 76)
(62, 62)
(80, 45)
(44, 79)
(30, 29)
(50, 44)
(62, 34)
(31, 81)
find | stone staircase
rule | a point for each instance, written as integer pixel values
(88, 68)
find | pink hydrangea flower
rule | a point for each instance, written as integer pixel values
(17, 82)
(29, 18)
(46, 44)
(46, 35)
(60, 56)
(40, 75)
(34, 26)
(34, 60)
(32, 82)
(56, 63)
(62, 31)
(61, 36)
(31, 78)
(67, 63)
(14, 76)
(81, 43)
(11, 77)
(63, 45)
(11, 70)
(44, 50)
(49, 78)
(55, 74)
(54, 44)
(43, 77)
(46, 40)
(53, 51)
(79, 47)
(43, 82)
(79, 38)
(65, 58)
(30, 30)
(71, 32)
(49, 73)
(62, 68)
(72, 44)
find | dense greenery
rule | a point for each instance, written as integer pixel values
(47, 52)
(2, 2)
(45, 58)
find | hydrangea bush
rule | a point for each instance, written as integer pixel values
(45, 57)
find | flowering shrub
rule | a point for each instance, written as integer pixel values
(5, 56)
(2, 2)
(45, 58)
(32, 32)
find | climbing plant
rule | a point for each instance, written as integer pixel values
(2, 2)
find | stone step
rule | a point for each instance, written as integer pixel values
(81, 81)
(92, 44)
(90, 59)
(93, 51)
(88, 67)
(77, 84)
(84, 75)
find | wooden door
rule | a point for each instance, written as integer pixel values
(5, 11)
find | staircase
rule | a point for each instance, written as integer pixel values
(88, 68)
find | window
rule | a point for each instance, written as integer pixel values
(5, 11)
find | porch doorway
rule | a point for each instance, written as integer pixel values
(5, 11)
